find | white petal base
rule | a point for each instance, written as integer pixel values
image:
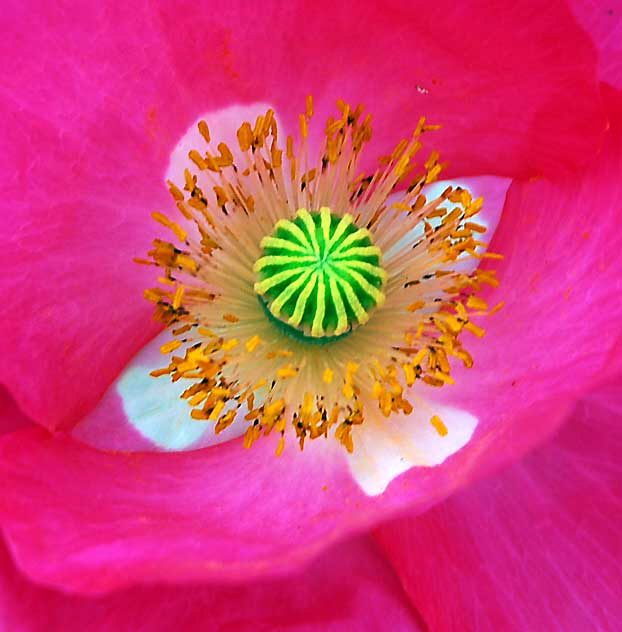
(154, 408)
(223, 125)
(493, 190)
(384, 448)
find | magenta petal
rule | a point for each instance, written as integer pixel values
(84, 146)
(95, 99)
(536, 547)
(349, 588)
(557, 334)
(500, 93)
(11, 417)
(91, 521)
(603, 21)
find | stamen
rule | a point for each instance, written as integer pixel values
(302, 300)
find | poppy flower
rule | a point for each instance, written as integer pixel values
(96, 121)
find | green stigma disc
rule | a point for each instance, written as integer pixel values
(320, 274)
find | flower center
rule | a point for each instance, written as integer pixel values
(319, 275)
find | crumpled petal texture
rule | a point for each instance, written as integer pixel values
(96, 96)
(536, 547)
(349, 588)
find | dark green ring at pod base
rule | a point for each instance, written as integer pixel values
(292, 332)
(319, 275)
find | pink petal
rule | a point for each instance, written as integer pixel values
(11, 417)
(498, 95)
(349, 588)
(90, 520)
(536, 547)
(603, 21)
(561, 323)
(85, 153)
(95, 99)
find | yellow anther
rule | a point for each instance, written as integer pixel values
(476, 303)
(177, 297)
(252, 344)
(275, 408)
(439, 426)
(198, 398)
(348, 390)
(197, 159)
(413, 307)
(420, 356)
(198, 414)
(170, 346)
(443, 377)
(230, 344)
(475, 329)
(280, 446)
(180, 233)
(245, 136)
(287, 371)
(221, 392)
(409, 374)
(177, 195)
(217, 410)
(304, 130)
(307, 405)
(478, 228)
(496, 308)
(186, 262)
(204, 131)
(475, 207)
(160, 372)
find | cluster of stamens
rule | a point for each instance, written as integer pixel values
(299, 297)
